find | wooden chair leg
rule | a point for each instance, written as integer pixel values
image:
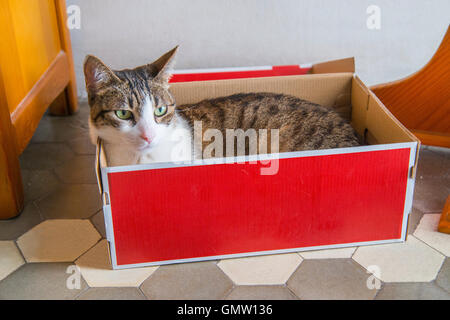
(444, 223)
(11, 189)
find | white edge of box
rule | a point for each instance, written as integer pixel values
(241, 159)
(260, 157)
(252, 254)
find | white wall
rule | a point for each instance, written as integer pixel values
(227, 33)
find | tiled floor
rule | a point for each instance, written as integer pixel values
(56, 249)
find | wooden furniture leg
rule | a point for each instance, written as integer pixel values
(444, 223)
(11, 190)
(66, 102)
(37, 72)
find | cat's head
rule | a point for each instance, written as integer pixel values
(132, 107)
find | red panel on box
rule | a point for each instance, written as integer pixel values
(187, 212)
(222, 75)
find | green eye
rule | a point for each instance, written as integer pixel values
(123, 114)
(159, 112)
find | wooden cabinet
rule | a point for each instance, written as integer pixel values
(36, 72)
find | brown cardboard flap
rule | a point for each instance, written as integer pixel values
(100, 162)
(334, 66)
(360, 100)
(323, 89)
(383, 125)
(98, 170)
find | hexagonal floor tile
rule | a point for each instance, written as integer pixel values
(98, 220)
(432, 180)
(10, 258)
(331, 279)
(190, 281)
(443, 277)
(260, 270)
(427, 232)
(112, 294)
(58, 240)
(79, 169)
(13, 228)
(412, 261)
(442, 151)
(40, 281)
(412, 291)
(45, 156)
(96, 269)
(78, 201)
(57, 129)
(430, 195)
(339, 253)
(414, 218)
(433, 162)
(82, 145)
(261, 293)
(38, 183)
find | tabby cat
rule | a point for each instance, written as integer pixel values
(136, 116)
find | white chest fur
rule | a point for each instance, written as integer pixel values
(174, 145)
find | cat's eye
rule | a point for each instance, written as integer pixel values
(123, 114)
(159, 112)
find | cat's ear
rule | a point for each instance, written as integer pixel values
(163, 66)
(97, 74)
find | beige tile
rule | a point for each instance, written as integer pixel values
(260, 270)
(112, 294)
(58, 240)
(41, 281)
(427, 232)
(261, 293)
(10, 258)
(412, 261)
(45, 156)
(412, 291)
(13, 228)
(78, 201)
(79, 169)
(96, 269)
(328, 253)
(331, 279)
(443, 277)
(190, 281)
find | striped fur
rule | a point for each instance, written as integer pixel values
(302, 125)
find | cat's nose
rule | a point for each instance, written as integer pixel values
(146, 138)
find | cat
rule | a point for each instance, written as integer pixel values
(136, 116)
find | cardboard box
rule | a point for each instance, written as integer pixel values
(170, 213)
